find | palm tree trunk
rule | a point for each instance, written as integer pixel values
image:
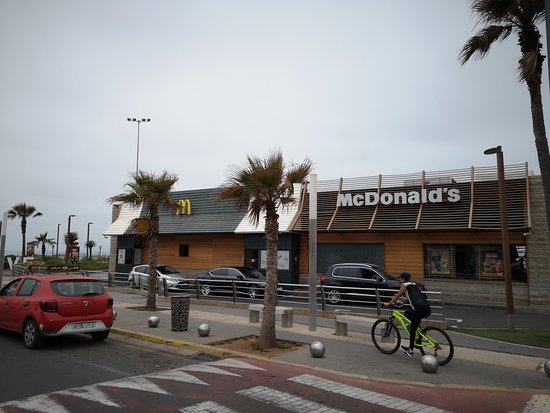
(23, 237)
(541, 143)
(153, 251)
(268, 337)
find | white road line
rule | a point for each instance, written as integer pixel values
(207, 407)
(42, 404)
(235, 363)
(205, 368)
(286, 401)
(368, 396)
(136, 383)
(91, 393)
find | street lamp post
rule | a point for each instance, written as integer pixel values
(67, 250)
(138, 122)
(507, 267)
(57, 242)
(88, 240)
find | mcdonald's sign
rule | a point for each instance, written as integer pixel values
(184, 207)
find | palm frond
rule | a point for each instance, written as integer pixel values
(478, 46)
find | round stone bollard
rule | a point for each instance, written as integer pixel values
(429, 364)
(547, 367)
(317, 349)
(153, 321)
(204, 330)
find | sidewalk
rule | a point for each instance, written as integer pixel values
(475, 364)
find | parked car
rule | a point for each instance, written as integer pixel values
(175, 280)
(355, 278)
(248, 280)
(39, 306)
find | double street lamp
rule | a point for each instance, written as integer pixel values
(507, 266)
(138, 122)
(69, 243)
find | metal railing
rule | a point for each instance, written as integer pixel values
(369, 301)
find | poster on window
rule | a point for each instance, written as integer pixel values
(492, 263)
(284, 261)
(440, 264)
(121, 256)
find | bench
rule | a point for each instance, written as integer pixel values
(341, 322)
(287, 314)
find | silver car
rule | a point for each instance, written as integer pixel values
(175, 280)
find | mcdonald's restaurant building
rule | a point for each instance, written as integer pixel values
(442, 227)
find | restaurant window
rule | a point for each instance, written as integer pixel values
(184, 250)
(472, 262)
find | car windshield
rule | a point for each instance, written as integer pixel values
(167, 270)
(77, 288)
(251, 273)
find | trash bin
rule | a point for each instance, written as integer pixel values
(180, 312)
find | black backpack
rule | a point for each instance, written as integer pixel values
(416, 296)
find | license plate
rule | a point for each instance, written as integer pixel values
(80, 326)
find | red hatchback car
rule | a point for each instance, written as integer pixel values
(48, 305)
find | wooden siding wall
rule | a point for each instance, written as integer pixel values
(205, 251)
(403, 251)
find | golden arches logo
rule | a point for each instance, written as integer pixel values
(184, 207)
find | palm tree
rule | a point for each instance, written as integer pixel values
(23, 211)
(501, 18)
(43, 239)
(70, 239)
(154, 192)
(261, 187)
(89, 246)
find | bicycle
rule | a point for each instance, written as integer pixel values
(430, 340)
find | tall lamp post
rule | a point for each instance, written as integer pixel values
(138, 122)
(507, 266)
(57, 242)
(67, 250)
(88, 240)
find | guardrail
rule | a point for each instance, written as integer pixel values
(368, 301)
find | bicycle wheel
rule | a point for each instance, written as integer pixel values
(385, 336)
(437, 343)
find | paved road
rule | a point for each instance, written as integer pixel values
(248, 386)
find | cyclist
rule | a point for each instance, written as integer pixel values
(420, 307)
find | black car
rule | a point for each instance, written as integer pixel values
(246, 279)
(352, 282)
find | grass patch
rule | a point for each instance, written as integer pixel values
(536, 337)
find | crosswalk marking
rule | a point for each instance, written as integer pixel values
(207, 407)
(235, 363)
(137, 383)
(368, 396)
(41, 404)
(286, 401)
(91, 393)
(178, 375)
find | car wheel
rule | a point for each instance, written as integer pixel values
(252, 292)
(205, 289)
(31, 335)
(132, 284)
(333, 296)
(100, 335)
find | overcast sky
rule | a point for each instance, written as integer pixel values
(361, 87)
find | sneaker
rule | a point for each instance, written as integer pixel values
(408, 351)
